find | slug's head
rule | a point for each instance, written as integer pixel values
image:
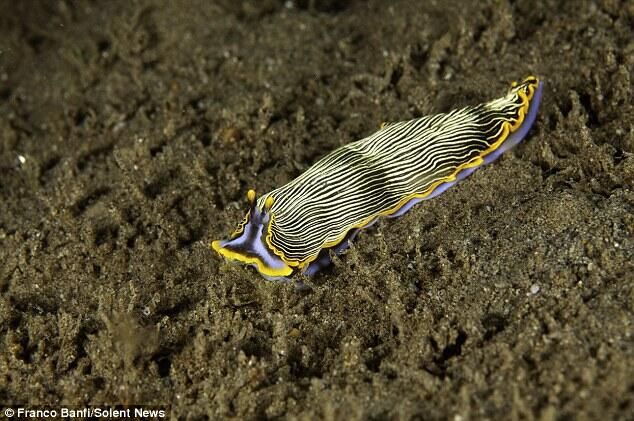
(247, 243)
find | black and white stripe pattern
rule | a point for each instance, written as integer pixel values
(375, 176)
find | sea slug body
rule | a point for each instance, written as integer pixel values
(295, 226)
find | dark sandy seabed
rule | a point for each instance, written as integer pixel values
(130, 132)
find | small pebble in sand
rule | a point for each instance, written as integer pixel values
(534, 289)
(118, 127)
(231, 134)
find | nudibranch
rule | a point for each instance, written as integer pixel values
(296, 226)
